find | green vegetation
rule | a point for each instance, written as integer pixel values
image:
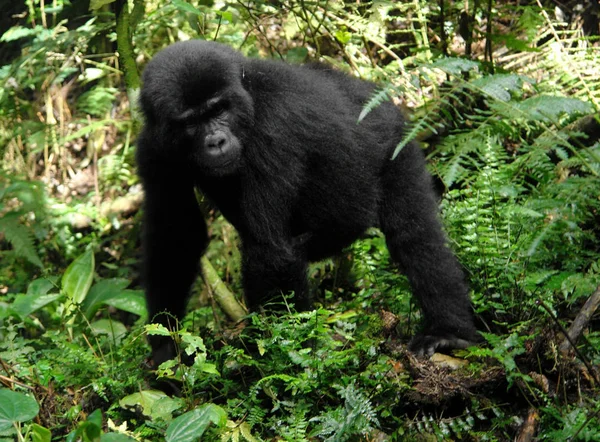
(505, 99)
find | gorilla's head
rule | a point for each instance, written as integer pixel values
(193, 94)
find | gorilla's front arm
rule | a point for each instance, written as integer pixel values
(173, 240)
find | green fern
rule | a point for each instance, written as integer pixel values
(356, 417)
(115, 169)
(296, 424)
(588, 160)
(453, 428)
(500, 87)
(19, 198)
(462, 151)
(452, 107)
(20, 237)
(256, 415)
(455, 66)
(378, 98)
(97, 101)
(551, 109)
(568, 63)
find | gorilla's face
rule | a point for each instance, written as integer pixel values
(209, 129)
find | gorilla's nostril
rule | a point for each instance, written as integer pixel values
(216, 141)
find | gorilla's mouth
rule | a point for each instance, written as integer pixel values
(218, 166)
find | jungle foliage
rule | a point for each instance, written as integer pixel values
(504, 97)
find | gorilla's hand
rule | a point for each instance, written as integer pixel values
(425, 345)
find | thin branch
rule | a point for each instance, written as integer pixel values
(581, 322)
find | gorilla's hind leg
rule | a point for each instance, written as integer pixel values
(416, 241)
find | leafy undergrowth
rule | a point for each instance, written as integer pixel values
(521, 208)
(74, 352)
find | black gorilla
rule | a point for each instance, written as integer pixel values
(279, 151)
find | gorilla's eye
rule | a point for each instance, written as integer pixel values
(216, 108)
(190, 128)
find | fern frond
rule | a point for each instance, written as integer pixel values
(376, 100)
(455, 66)
(356, 417)
(564, 61)
(256, 415)
(20, 237)
(550, 109)
(500, 86)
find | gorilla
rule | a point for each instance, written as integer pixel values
(280, 152)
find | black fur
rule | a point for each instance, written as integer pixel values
(279, 151)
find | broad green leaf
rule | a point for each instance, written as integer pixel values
(132, 301)
(95, 418)
(153, 403)
(16, 407)
(89, 430)
(78, 277)
(550, 108)
(144, 399)
(226, 16)
(101, 292)
(24, 305)
(186, 7)
(41, 286)
(157, 330)
(190, 426)
(164, 407)
(115, 329)
(205, 367)
(193, 343)
(455, 66)
(39, 433)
